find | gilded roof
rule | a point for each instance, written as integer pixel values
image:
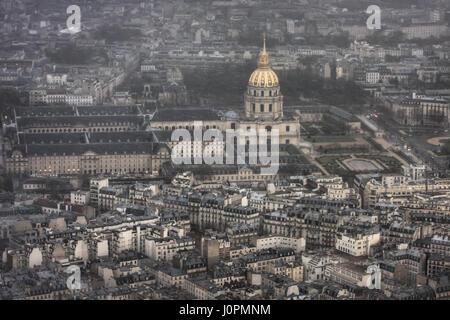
(264, 76)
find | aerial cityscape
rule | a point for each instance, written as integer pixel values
(225, 150)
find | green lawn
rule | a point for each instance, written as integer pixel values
(393, 164)
(330, 163)
(333, 150)
(325, 139)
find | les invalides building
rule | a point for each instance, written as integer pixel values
(263, 101)
(105, 140)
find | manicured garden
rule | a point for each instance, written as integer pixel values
(392, 164)
(332, 163)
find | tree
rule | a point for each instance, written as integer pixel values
(7, 183)
(380, 38)
(9, 98)
(394, 81)
(445, 149)
(116, 33)
(71, 54)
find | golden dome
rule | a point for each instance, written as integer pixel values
(264, 76)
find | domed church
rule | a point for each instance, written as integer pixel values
(263, 99)
(264, 103)
(263, 109)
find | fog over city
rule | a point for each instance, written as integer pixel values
(257, 151)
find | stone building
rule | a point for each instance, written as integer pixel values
(263, 110)
(88, 159)
(422, 111)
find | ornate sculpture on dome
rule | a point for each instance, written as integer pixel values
(263, 99)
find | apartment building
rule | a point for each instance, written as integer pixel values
(259, 261)
(414, 261)
(348, 274)
(273, 241)
(80, 197)
(166, 248)
(357, 244)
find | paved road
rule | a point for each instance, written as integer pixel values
(417, 142)
(2, 162)
(389, 146)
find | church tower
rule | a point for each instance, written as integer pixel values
(263, 99)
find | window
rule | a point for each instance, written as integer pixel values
(253, 107)
(270, 107)
(288, 128)
(262, 93)
(270, 93)
(262, 108)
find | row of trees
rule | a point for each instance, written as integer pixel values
(71, 54)
(253, 38)
(6, 183)
(445, 149)
(225, 85)
(307, 84)
(229, 82)
(10, 98)
(115, 33)
(397, 4)
(341, 40)
(394, 38)
(380, 38)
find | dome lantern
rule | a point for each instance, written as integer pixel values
(263, 98)
(264, 76)
(264, 56)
